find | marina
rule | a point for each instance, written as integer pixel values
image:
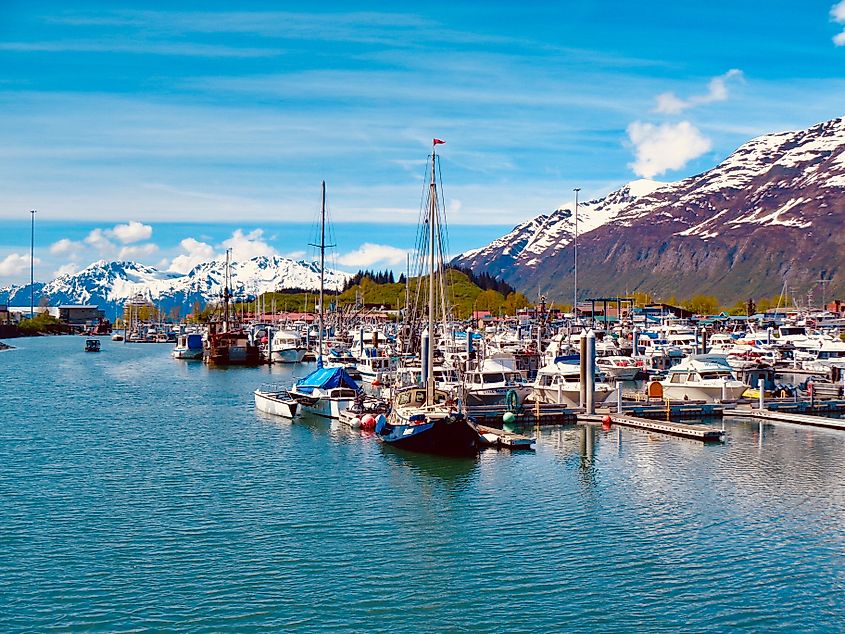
(216, 500)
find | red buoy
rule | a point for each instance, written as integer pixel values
(605, 421)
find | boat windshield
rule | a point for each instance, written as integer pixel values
(715, 375)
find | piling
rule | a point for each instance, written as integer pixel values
(761, 388)
(591, 373)
(582, 375)
(424, 348)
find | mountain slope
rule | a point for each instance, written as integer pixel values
(546, 235)
(773, 211)
(111, 284)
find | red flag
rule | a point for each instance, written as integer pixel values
(437, 141)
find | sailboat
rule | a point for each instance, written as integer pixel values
(327, 391)
(229, 346)
(423, 418)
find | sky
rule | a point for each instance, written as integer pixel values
(165, 132)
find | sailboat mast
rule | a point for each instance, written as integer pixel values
(226, 294)
(431, 336)
(322, 269)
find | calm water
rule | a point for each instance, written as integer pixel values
(142, 493)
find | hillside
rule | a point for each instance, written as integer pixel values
(772, 212)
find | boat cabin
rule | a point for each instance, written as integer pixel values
(92, 345)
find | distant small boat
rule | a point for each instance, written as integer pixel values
(118, 336)
(92, 345)
(188, 347)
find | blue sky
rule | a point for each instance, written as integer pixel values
(208, 119)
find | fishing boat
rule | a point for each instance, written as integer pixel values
(188, 346)
(423, 418)
(92, 345)
(229, 346)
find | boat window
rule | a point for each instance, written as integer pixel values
(493, 377)
(679, 377)
(419, 397)
(404, 398)
(715, 375)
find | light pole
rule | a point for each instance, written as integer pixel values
(575, 295)
(32, 266)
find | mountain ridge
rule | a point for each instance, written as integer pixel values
(772, 211)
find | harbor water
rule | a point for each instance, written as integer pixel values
(143, 493)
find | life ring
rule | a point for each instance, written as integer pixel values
(512, 401)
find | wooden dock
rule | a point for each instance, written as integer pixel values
(529, 414)
(703, 433)
(505, 439)
(789, 417)
(675, 410)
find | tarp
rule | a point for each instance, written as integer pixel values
(327, 378)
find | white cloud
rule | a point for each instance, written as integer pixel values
(67, 269)
(137, 251)
(194, 252)
(248, 245)
(65, 246)
(99, 240)
(15, 264)
(669, 146)
(368, 254)
(132, 232)
(837, 14)
(717, 90)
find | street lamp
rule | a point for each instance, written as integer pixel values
(575, 296)
(32, 266)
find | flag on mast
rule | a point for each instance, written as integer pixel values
(437, 142)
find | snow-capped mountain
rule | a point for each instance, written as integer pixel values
(546, 235)
(772, 212)
(111, 284)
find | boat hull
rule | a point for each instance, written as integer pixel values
(710, 394)
(288, 355)
(276, 403)
(187, 353)
(444, 437)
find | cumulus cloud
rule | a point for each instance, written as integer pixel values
(137, 251)
(100, 241)
(65, 246)
(669, 146)
(717, 90)
(248, 245)
(132, 232)
(67, 269)
(368, 254)
(15, 264)
(837, 14)
(193, 252)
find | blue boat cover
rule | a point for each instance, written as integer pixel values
(194, 342)
(568, 358)
(327, 378)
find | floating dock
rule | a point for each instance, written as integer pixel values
(789, 417)
(506, 439)
(703, 433)
(529, 414)
(674, 410)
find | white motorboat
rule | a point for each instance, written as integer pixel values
(325, 392)
(287, 346)
(560, 383)
(618, 367)
(490, 384)
(703, 377)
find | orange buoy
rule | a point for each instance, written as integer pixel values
(606, 421)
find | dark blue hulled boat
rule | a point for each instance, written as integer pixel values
(435, 429)
(422, 418)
